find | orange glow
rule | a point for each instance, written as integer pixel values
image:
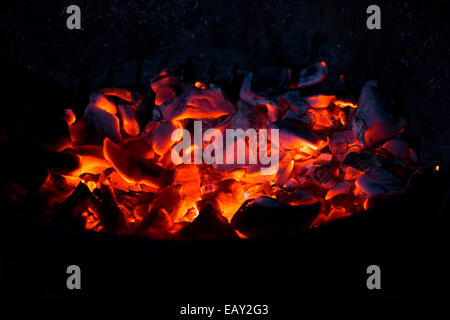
(200, 85)
(104, 104)
(320, 101)
(343, 104)
(69, 117)
(126, 170)
(123, 94)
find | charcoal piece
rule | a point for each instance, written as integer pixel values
(343, 142)
(248, 116)
(210, 224)
(161, 137)
(337, 189)
(129, 160)
(195, 103)
(364, 161)
(377, 118)
(106, 124)
(111, 216)
(70, 210)
(293, 101)
(270, 82)
(118, 95)
(272, 107)
(101, 101)
(155, 225)
(379, 181)
(265, 215)
(323, 175)
(320, 101)
(398, 148)
(292, 135)
(129, 121)
(311, 75)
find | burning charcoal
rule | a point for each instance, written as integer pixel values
(161, 137)
(111, 216)
(105, 123)
(247, 116)
(323, 119)
(320, 101)
(230, 194)
(121, 93)
(284, 174)
(102, 102)
(71, 209)
(305, 119)
(129, 122)
(171, 200)
(187, 177)
(293, 136)
(325, 157)
(331, 162)
(209, 224)
(69, 117)
(293, 101)
(165, 95)
(300, 197)
(398, 148)
(378, 181)
(156, 224)
(311, 75)
(375, 119)
(246, 94)
(337, 189)
(323, 175)
(341, 206)
(130, 162)
(351, 173)
(342, 142)
(270, 82)
(197, 103)
(265, 215)
(273, 108)
(164, 86)
(364, 161)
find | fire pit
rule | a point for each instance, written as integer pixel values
(299, 152)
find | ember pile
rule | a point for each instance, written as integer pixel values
(336, 157)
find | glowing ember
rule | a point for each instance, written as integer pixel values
(335, 157)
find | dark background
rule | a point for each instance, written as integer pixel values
(125, 43)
